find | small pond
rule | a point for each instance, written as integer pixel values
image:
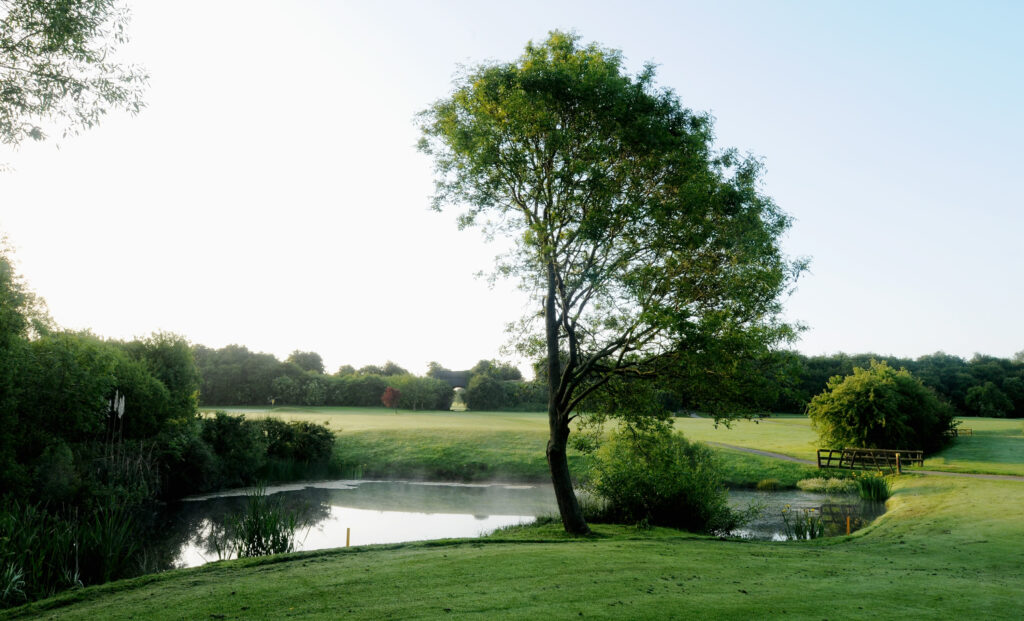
(391, 511)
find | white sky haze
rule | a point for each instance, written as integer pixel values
(270, 194)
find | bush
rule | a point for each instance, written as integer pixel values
(828, 486)
(768, 485)
(880, 407)
(297, 440)
(659, 478)
(240, 448)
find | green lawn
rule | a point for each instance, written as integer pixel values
(507, 445)
(787, 434)
(947, 549)
(997, 447)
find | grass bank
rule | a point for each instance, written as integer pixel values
(947, 548)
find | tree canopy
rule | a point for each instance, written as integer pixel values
(57, 66)
(880, 407)
(649, 252)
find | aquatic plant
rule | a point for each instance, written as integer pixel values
(874, 487)
(264, 527)
(807, 524)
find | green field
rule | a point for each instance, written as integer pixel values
(424, 444)
(946, 548)
(996, 447)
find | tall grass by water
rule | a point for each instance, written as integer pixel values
(874, 487)
(262, 528)
(42, 552)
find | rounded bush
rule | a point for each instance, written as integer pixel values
(660, 478)
(880, 407)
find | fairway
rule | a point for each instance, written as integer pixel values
(996, 447)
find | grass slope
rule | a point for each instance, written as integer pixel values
(947, 548)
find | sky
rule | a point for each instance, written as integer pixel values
(270, 194)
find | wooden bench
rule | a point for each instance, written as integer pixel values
(869, 459)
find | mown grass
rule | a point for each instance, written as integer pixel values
(947, 548)
(997, 447)
(786, 434)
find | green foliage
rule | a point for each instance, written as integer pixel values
(239, 446)
(807, 524)
(307, 361)
(660, 478)
(988, 400)
(768, 485)
(648, 253)
(56, 62)
(874, 487)
(42, 552)
(828, 486)
(298, 441)
(880, 407)
(264, 527)
(485, 393)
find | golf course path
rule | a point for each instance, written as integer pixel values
(968, 475)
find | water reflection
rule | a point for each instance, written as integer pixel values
(366, 511)
(391, 512)
(834, 509)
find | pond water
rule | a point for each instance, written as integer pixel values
(371, 512)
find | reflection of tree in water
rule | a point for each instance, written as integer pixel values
(204, 523)
(834, 514)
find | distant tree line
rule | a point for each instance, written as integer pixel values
(980, 386)
(780, 381)
(233, 375)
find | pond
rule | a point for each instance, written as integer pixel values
(371, 512)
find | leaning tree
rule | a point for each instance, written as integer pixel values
(649, 252)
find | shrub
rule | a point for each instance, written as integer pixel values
(239, 446)
(660, 478)
(768, 485)
(874, 487)
(880, 407)
(828, 486)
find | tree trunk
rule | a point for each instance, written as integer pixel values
(568, 506)
(558, 423)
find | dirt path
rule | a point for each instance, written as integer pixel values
(968, 475)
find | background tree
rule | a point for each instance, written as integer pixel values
(307, 361)
(988, 400)
(57, 65)
(880, 407)
(642, 244)
(484, 393)
(390, 398)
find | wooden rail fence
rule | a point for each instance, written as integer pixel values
(869, 459)
(960, 431)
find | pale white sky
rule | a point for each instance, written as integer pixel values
(270, 195)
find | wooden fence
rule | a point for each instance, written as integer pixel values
(869, 459)
(960, 431)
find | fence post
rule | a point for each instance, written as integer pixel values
(899, 470)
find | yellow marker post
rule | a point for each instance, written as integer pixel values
(899, 470)
(348, 536)
(847, 525)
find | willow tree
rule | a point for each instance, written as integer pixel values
(649, 253)
(57, 66)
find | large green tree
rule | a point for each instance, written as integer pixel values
(647, 249)
(57, 66)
